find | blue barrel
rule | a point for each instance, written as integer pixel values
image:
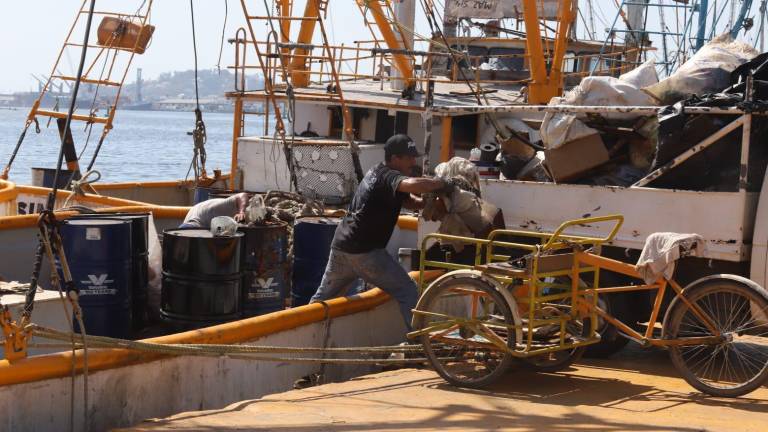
(312, 237)
(140, 260)
(201, 277)
(266, 269)
(99, 253)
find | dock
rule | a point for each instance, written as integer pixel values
(636, 390)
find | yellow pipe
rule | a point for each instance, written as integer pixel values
(285, 24)
(58, 365)
(8, 190)
(408, 223)
(159, 212)
(402, 62)
(446, 148)
(298, 68)
(564, 21)
(237, 132)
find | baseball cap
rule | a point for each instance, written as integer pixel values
(399, 145)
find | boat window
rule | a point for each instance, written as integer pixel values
(464, 132)
(387, 125)
(337, 122)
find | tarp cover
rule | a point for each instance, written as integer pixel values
(708, 71)
(497, 8)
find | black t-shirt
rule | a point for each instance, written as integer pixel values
(373, 213)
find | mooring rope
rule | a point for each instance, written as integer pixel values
(249, 352)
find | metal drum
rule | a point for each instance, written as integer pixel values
(99, 253)
(312, 237)
(140, 261)
(266, 270)
(201, 277)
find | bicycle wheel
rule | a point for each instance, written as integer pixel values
(738, 308)
(556, 361)
(468, 321)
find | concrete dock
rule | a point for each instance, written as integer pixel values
(636, 390)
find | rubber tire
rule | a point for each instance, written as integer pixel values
(675, 313)
(611, 341)
(477, 282)
(575, 356)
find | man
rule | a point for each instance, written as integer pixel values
(358, 247)
(201, 214)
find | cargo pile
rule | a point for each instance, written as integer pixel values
(619, 148)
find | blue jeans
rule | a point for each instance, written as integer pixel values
(376, 267)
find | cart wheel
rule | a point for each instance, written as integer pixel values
(462, 352)
(738, 308)
(556, 361)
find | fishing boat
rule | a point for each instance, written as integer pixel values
(477, 82)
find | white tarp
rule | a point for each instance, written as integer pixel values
(558, 128)
(708, 71)
(547, 9)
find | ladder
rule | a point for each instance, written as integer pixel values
(109, 61)
(294, 64)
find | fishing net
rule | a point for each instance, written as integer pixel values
(324, 171)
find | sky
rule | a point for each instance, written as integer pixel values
(32, 32)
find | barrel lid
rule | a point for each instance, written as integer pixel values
(197, 233)
(96, 221)
(324, 220)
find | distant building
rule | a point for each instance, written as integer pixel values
(206, 104)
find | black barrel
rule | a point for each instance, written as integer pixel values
(99, 254)
(140, 261)
(312, 237)
(266, 269)
(201, 277)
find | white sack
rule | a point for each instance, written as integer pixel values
(642, 76)
(708, 71)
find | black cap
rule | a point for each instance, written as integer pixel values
(400, 145)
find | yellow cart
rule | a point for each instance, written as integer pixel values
(535, 296)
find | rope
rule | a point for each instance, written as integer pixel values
(248, 352)
(77, 185)
(7, 169)
(199, 135)
(223, 34)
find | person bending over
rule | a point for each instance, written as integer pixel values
(201, 214)
(358, 247)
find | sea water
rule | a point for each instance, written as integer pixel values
(143, 146)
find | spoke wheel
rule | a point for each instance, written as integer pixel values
(469, 321)
(738, 309)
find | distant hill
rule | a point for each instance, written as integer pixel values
(181, 84)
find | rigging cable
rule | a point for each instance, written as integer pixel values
(49, 227)
(223, 34)
(199, 135)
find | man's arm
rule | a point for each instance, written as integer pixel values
(242, 203)
(420, 185)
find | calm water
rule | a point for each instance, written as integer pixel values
(144, 145)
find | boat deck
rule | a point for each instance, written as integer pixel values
(637, 390)
(370, 93)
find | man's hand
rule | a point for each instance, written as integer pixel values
(240, 217)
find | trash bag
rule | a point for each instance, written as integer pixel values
(708, 71)
(622, 175)
(717, 167)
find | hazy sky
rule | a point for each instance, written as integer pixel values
(32, 32)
